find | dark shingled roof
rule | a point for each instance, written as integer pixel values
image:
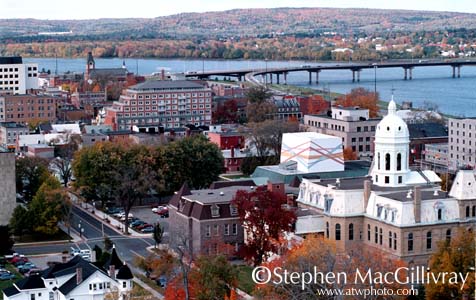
(30, 283)
(114, 260)
(124, 273)
(166, 85)
(11, 291)
(116, 72)
(425, 130)
(88, 269)
(49, 273)
(184, 191)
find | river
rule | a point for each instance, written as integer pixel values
(454, 96)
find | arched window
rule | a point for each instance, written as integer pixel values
(399, 162)
(337, 232)
(448, 235)
(439, 214)
(390, 239)
(410, 242)
(376, 235)
(387, 162)
(351, 232)
(474, 211)
(467, 212)
(394, 241)
(368, 232)
(381, 236)
(378, 161)
(327, 229)
(428, 240)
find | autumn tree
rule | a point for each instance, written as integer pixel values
(188, 157)
(349, 154)
(48, 207)
(454, 255)
(158, 234)
(362, 98)
(264, 220)
(30, 174)
(226, 112)
(259, 107)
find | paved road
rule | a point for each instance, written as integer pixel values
(127, 247)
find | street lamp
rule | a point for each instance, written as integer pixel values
(79, 228)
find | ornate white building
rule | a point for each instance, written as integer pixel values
(395, 209)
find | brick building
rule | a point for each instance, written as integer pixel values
(422, 134)
(227, 139)
(27, 108)
(172, 104)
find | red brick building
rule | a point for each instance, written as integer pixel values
(27, 108)
(227, 140)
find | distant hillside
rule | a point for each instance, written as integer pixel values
(241, 23)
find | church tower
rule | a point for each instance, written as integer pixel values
(392, 139)
(90, 65)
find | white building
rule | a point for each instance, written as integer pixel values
(76, 279)
(17, 77)
(313, 152)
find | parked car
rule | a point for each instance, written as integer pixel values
(18, 258)
(114, 210)
(26, 267)
(7, 276)
(136, 223)
(162, 281)
(20, 262)
(148, 229)
(123, 217)
(144, 226)
(32, 272)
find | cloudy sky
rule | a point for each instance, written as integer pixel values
(92, 9)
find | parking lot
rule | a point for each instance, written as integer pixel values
(145, 214)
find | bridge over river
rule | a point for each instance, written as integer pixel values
(278, 73)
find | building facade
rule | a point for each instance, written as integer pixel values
(461, 143)
(172, 104)
(7, 185)
(9, 133)
(27, 108)
(352, 124)
(422, 134)
(17, 77)
(206, 218)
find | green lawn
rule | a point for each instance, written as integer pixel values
(8, 283)
(245, 281)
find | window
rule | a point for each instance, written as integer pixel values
(474, 211)
(410, 242)
(337, 232)
(387, 162)
(327, 229)
(467, 212)
(368, 232)
(351, 232)
(216, 229)
(233, 210)
(390, 239)
(234, 229)
(215, 210)
(124, 284)
(51, 296)
(208, 231)
(387, 179)
(448, 235)
(400, 179)
(32, 296)
(226, 229)
(378, 160)
(380, 236)
(394, 241)
(399, 162)
(376, 235)
(428, 240)
(439, 214)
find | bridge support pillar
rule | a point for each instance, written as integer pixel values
(277, 78)
(405, 75)
(310, 77)
(459, 71)
(358, 75)
(353, 76)
(285, 76)
(317, 77)
(271, 78)
(410, 73)
(454, 71)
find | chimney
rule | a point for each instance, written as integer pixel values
(367, 191)
(417, 204)
(79, 275)
(112, 271)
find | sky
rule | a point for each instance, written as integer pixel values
(93, 9)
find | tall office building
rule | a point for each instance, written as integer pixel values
(17, 77)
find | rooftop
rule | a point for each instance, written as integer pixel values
(13, 60)
(425, 130)
(166, 85)
(221, 195)
(11, 125)
(324, 116)
(425, 195)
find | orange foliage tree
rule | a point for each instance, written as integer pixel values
(362, 98)
(349, 154)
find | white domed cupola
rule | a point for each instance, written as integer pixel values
(392, 139)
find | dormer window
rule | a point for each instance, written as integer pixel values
(327, 203)
(379, 210)
(215, 210)
(233, 210)
(393, 216)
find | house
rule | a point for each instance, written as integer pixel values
(76, 279)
